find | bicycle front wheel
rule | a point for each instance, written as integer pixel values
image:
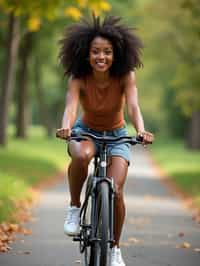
(102, 224)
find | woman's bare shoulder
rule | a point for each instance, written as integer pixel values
(128, 78)
(76, 82)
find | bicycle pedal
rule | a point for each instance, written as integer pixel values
(85, 226)
(77, 238)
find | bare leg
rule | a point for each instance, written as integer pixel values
(81, 154)
(118, 170)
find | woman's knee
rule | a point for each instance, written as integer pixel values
(82, 154)
(81, 158)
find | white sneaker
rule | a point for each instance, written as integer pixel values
(116, 257)
(71, 225)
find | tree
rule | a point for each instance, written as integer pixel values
(22, 88)
(9, 73)
(33, 12)
(172, 35)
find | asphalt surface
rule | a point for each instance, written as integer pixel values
(157, 225)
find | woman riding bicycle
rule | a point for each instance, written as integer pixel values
(100, 59)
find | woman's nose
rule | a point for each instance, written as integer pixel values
(101, 55)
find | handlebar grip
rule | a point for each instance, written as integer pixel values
(139, 138)
(60, 137)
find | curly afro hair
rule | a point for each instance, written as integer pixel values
(75, 46)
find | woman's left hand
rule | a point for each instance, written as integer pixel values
(148, 137)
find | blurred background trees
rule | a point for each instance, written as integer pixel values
(32, 84)
(30, 32)
(172, 33)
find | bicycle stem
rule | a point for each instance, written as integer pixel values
(103, 161)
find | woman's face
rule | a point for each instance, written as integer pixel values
(101, 54)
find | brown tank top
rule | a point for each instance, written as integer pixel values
(102, 108)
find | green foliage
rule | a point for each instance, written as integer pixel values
(179, 164)
(11, 188)
(26, 163)
(177, 31)
(169, 83)
(36, 11)
(52, 79)
(46, 20)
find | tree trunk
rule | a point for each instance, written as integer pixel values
(193, 141)
(43, 110)
(22, 94)
(9, 75)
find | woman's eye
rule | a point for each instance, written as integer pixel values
(95, 52)
(108, 52)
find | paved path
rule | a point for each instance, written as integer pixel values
(150, 237)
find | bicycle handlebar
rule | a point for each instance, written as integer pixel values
(106, 139)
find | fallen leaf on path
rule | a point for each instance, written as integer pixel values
(26, 231)
(3, 237)
(78, 261)
(4, 227)
(22, 214)
(7, 234)
(14, 227)
(181, 234)
(185, 245)
(133, 240)
(27, 252)
(20, 252)
(125, 244)
(3, 249)
(196, 217)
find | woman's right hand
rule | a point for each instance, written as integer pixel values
(63, 133)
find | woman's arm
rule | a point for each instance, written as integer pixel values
(131, 95)
(134, 112)
(71, 106)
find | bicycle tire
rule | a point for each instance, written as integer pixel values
(99, 254)
(91, 257)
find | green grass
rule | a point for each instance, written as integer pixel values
(181, 164)
(26, 163)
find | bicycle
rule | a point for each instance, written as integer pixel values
(97, 212)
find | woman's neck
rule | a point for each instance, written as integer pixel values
(101, 77)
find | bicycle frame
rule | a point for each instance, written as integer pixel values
(99, 175)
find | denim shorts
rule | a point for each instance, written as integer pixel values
(121, 150)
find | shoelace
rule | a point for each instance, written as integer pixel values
(72, 216)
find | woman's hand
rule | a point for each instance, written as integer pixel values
(148, 137)
(63, 133)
